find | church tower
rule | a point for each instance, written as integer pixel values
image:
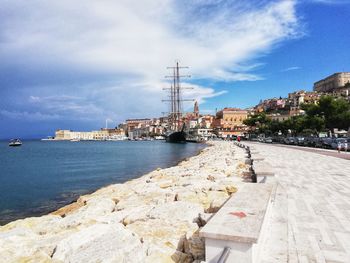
(196, 110)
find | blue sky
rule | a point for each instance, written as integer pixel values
(72, 65)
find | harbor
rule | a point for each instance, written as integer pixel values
(175, 131)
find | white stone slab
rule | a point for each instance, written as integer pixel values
(251, 200)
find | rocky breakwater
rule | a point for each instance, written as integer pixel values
(155, 218)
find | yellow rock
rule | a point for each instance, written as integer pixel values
(163, 237)
(231, 189)
(166, 185)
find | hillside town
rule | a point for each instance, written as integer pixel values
(226, 123)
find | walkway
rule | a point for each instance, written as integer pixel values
(311, 213)
(334, 153)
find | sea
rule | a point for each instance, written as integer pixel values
(41, 176)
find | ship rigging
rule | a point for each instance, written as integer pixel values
(176, 132)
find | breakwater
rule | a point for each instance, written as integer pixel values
(154, 218)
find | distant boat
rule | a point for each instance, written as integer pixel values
(75, 140)
(15, 142)
(49, 138)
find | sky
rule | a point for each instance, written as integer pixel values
(75, 64)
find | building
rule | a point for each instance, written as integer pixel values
(101, 135)
(132, 124)
(279, 117)
(63, 135)
(333, 82)
(205, 121)
(295, 99)
(191, 119)
(229, 122)
(274, 104)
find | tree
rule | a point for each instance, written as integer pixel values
(256, 120)
(335, 112)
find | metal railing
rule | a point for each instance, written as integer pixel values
(224, 255)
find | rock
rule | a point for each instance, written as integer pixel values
(230, 189)
(163, 236)
(86, 215)
(211, 178)
(101, 243)
(217, 200)
(137, 214)
(203, 218)
(177, 211)
(155, 197)
(68, 209)
(195, 246)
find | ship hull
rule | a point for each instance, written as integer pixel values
(176, 137)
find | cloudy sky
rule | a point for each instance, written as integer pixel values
(74, 64)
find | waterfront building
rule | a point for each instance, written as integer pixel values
(132, 124)
(100, 135)
(205, 133)
(63, 135)
(229, 122)
(205, 121)
(332, 82)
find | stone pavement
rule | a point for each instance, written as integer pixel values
(311, 211)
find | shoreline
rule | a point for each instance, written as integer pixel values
(56, 211)
(153, 218)
(65, 198)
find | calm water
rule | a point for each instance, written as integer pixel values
(39, 177)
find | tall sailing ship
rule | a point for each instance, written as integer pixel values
(176, 132)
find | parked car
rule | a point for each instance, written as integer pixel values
(342, 141)
(278, 139)
(268, 140)
(327, 142)
(299, 141)
(289, 140)
(309, 141)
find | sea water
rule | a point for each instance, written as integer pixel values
(41, 176)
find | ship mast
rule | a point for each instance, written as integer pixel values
(175, 115)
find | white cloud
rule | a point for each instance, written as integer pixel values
(290, 69)
(330, 2)
(28, 116)
(136, 40)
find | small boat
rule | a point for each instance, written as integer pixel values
(49, 138)
(15, 142)
(75, 140)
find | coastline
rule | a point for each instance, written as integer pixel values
(152, 218)
(67, 207)
(54, 182)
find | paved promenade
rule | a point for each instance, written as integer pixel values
(311, 212)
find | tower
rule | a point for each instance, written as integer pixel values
(196, 109)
